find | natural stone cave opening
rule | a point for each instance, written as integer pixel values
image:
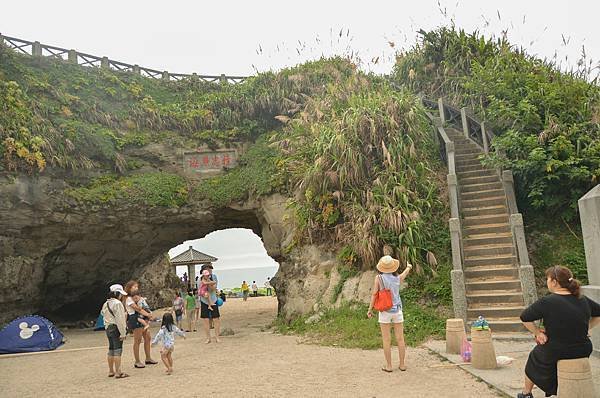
(58, 258)
(240, 256)
(78, 273)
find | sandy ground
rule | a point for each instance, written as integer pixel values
(252, 363)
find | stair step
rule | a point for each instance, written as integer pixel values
(492, 228)
(491, 201)
(485, 297)
(491, 272)
(462, 175)
(505, 259)
(492, 177)
(484, 210)
(467, 156)
(493, 284)
(481, 187)
(470, 167)
(503, 325)
(488, 239)
(467, 149)
(488, 250)
(484, 219)
(468, 162)
(490, 193)
(498, 311)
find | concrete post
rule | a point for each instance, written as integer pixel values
(526, 274)
(36, 49)
(464, 121)
(457, 277)
(589, 211)
(195, 77)
(450, 158)
(486, 145)
(509, 191)
(192, 274)
(104, 62)
(455, 237)
(459, 294)
(223, 79)
(165, 76)
(72, 57)
(1, 40)
(442, 110)
(453, 194)
(136, 69)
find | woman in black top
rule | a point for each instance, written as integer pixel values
(568, 319)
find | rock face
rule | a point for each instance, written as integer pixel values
(308, 280)
(58, 258)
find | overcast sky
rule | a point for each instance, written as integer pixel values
(240, 37)
(235, 248)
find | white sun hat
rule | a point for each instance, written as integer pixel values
(118, 288)
(388, 264)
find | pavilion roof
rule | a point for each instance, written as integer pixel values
(192, 256)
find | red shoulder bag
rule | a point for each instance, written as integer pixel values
(383, 298)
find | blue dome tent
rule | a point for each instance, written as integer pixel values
(29, 334)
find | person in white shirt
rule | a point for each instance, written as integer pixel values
(268, 287)
(114, 316)
(254, 289)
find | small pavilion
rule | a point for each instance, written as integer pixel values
(191, 258)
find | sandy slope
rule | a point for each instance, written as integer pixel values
(251, 363)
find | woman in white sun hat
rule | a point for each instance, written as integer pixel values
(388, 278)
(116, 329)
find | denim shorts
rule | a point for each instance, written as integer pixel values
(115, 344)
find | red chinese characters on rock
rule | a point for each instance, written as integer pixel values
(199, 162)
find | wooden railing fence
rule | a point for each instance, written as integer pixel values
(37, 49)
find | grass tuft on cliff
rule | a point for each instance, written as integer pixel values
(150, 189)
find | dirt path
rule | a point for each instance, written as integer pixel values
(252, 363)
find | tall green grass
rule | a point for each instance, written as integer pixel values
(349, 327)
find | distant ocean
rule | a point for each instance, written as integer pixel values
(233, 277)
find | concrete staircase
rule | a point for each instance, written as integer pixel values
(493, 287)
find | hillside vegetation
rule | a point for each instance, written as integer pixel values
(547, 123)
(547, 120)
(355, 155)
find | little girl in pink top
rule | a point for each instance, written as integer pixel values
(206, 284)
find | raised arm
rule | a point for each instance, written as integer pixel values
(406, 271)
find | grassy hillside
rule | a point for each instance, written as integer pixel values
(355, 155)
(547, 121)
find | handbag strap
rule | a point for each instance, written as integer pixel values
(381, 283)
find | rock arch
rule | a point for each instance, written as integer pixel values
(57, 257)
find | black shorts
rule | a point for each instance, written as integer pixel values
(115, 344)
(133, 322)
(206, 313)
